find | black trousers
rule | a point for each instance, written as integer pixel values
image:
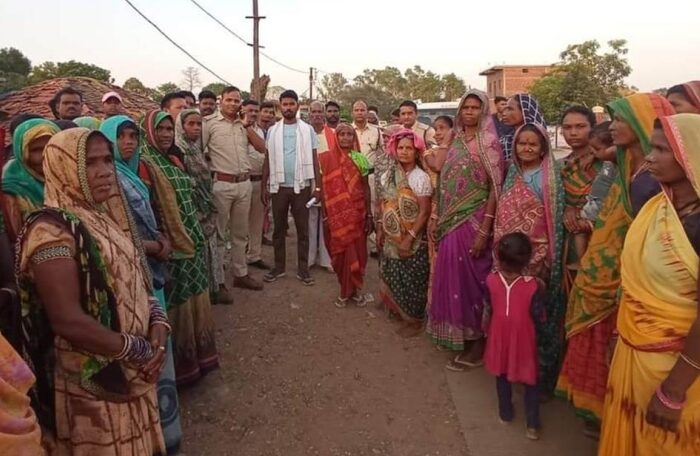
(282, 201)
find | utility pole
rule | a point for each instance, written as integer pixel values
(256, 49)
(311, 84)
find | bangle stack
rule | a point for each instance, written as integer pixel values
(158, 316)
(412, 234)
(668, 402)
(491, 216)
(136, 350)
(483, 232)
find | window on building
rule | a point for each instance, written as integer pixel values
(526, 70)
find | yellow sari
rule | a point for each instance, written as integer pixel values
(658, 305)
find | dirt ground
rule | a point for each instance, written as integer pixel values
(300, 377)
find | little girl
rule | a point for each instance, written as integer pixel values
(513, 303)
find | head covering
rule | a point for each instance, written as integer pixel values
(127, 169)
(546, 146)
(683, 134)
(148, 124)
(692, 92)
(17, 178)
(112, 94)
(181, 140)
(357, 157)
(486, 122)
(418, 142)
(91, 123)
(532, 114)
(639, 112)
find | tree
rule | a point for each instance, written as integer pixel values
(191, 78)
(134, 85)
(216, 87)
(373, 94)
(13, 61)
(159, 92)
(72, 68)
(453, 87)
(583, 76)
(332, 86)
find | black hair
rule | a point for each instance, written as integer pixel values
(19, 119)
(165, 102)
(267, 105)
(127, 125)
(447, 119)
(514, 252)
(207, 95)
(250, 102)
(187, 93)
(579, 109)
(408, 104)
(679, 90)
(229, 89)
(499, 99)
(602, 132)
(396, 112)
(65, 124)
(53, 103)
(334, 104)
(373, 108)
(289, 94)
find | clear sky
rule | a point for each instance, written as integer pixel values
(460, 36)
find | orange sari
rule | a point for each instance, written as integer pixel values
(345, 214)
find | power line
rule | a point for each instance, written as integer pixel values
(177, 45)
(244, 41)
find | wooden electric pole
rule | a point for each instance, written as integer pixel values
(311, 84)
(256, 49)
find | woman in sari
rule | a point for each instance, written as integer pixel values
(188, 138)
(23, 176)
(685, 98)
(522, 108)
(652, 406)
(470, 181)
(532, 202)
(592, 302)
(346, 208)
(404, 196)
(189, 307)
(95, 335)
(577, 175)
(123, 133)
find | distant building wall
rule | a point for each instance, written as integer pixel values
(507, 80)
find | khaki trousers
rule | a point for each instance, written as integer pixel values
(256, 219)
(232, 201)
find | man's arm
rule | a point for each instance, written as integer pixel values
(206, 134)
(255, 140)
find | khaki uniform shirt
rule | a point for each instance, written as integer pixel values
(255, 158)
(370, 141)
(426, 132)
(226, 144)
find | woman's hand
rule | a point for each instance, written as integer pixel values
(405, 247)
(369, 224)
(380, 238)
(661, 416)
(158, 336)
(478, 246)
(571, 219)
(166, 249)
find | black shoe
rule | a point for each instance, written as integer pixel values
(306, 278)
(260, 264)
(273, 275)
(267, 241)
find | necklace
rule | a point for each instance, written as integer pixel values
(688, 209)
(643, 167)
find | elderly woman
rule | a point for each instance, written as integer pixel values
(522, 108)
(652, 406)
(96, 335)
(405, 196)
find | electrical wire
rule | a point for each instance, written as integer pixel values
(176, 45)
(267, 56)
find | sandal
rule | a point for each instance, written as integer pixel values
(359, 300)
(455, 367)
(469, 364)
(340, 303)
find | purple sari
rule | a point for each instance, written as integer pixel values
(472, 170)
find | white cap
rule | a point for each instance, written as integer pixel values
(109, 95)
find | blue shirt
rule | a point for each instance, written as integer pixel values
(533, 179)
(289, 147)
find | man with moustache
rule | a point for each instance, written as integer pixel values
(289, 173)
(332, 114)
(207, 103)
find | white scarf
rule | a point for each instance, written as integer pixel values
(304, 162)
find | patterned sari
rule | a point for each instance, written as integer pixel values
(473, 170)
(658, 305)
(345, 213)
(22, 188)
(577, 177)
(139, 200)
(189, 308)
(692, 91)
(592, 303)
(522, 209)
(90, 404)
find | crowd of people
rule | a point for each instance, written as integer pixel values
(574, 276)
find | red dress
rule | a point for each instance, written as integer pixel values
(511, 346)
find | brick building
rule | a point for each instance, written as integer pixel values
(507, 80)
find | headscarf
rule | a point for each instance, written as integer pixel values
(683, 134)
(403, 133)
(91, 123)
(17, 178)
(148, 124)
(181, 139)
(532, 113)
(692, 92)
(129, 169)
(357, 157)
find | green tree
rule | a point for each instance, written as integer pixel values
(134, 85)
(453, 87)
(72, 68)
(585, 75)
(332, 86)
(215, 87)
(373, 94)
(13, 61)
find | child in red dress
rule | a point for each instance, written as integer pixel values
(514, 302)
